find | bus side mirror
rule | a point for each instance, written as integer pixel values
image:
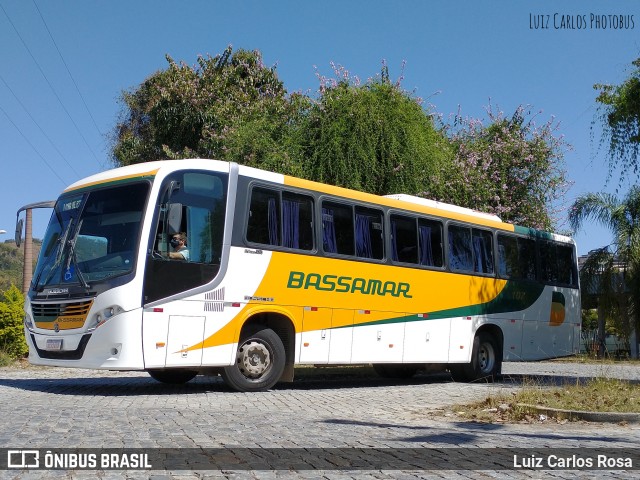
(18, 236)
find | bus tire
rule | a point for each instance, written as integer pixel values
(390, 370)
(486, 361)
(172, 376)
(259, 362)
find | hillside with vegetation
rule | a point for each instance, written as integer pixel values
(11, 261)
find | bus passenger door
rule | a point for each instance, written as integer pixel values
(191, 206)
(316, 335)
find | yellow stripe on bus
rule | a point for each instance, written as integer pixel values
(113, 180)
(393, 203)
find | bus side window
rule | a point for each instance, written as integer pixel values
(264, 217)
(193, 203)
(297, 221)
(566, 265)
(482, 251)
(430, 242)
(368, 233)
(460, 251)
(508, 264)
(527, 258)
(280, 220)
(404, 236)
(337, 228)
(548, 262)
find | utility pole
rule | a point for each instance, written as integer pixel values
(27, 267)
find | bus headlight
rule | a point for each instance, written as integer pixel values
(102, 316)
(28, 323)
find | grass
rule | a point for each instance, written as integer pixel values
(592, 359)
(595, 395)
(6, 360)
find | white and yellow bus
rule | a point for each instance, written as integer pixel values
(282, 271)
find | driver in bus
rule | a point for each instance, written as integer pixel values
(179, 244)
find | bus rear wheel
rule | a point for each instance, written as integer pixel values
(174, 376)
(486, 361)
(259, 362)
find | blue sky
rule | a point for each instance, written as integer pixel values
(460, 55)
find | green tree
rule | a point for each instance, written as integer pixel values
(511, 168)
(374, 137)
(229, 107)
(12, 340)
(620, 116)
(613, 272)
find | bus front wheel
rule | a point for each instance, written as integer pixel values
(486, 361)
(259, 362)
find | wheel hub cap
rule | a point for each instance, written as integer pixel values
(254, 359)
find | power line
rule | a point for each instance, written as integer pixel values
(65, 66)
(38, 125)
(31, 145)
(50, 86)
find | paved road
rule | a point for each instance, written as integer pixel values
(58, 408)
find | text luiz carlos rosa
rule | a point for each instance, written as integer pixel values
(571, 462)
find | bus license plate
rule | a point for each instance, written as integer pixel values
(54, 344)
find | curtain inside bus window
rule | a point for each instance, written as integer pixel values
(431, 237)
(478, 251)
(426, 251)
(482, 252)
(394, 242)
(460, 250)
(328, 231)
(503, 270)
(273, 222)
(290, 223)
(363, 236)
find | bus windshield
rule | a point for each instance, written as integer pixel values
(92, 236)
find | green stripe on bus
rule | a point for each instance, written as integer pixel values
(516, 296)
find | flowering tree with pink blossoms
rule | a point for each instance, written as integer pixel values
(510, 167)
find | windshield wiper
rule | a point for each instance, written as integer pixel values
(72, 256)
(59, 253)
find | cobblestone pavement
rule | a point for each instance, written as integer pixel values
(57, 408)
